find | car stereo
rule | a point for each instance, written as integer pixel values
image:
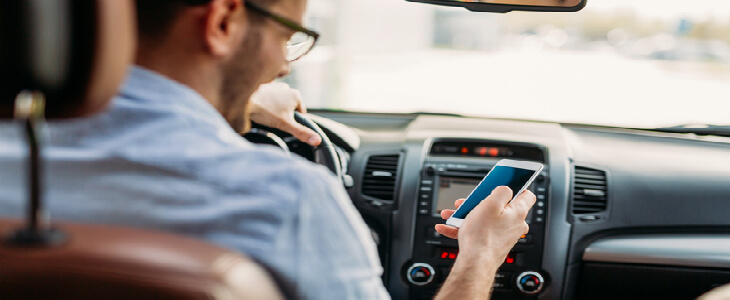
(442, 182)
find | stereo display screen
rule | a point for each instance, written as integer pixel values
(452, 188)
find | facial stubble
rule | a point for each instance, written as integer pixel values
(241, 78)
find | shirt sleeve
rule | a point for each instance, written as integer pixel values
(336, 257)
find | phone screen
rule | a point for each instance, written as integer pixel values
(514, 178)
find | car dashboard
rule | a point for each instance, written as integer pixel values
(621, 213)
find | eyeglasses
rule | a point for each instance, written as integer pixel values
(300, 43)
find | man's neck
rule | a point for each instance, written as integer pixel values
(195, 73)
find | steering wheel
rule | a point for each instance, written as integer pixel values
(324, 154)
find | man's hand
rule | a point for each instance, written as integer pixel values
(273, 105)
(720, 293)
(486, 236)
(493, 225)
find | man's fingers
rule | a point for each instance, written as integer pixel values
(524, 202)
(300, 104)
(302, 133)
(501, 196)
(495, 203)
(447, 231)
(459, 202)
(301, 108)
(446, 213)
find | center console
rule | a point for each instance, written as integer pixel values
(451, 170)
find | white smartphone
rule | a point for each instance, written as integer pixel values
(517, 175)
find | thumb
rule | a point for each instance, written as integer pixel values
(302, 133)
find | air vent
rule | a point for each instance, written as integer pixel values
(589, 191)
(380, 175)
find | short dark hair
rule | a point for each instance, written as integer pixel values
(155, 17)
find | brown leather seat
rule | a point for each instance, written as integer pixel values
(76, 54)
(100, 262)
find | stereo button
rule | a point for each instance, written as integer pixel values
(530, 282)
(526, 239)
(430, 171)
(420, 274)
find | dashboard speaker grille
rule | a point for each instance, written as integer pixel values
(380, 176)
(590, 193)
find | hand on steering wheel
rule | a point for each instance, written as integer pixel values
(325, 154)
(277, 109)
(272, 106)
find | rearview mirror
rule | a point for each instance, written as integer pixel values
(503, 6)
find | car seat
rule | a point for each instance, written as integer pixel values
(66, 59)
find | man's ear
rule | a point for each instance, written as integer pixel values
(225, 26)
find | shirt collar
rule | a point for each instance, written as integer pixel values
(154, 89)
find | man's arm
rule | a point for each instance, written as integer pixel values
(485, 238)
(720, 293)
(273, 105)
(330, 248)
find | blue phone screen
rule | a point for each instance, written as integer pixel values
(514, 178)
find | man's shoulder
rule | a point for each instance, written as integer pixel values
(276, 161)
(273, 168)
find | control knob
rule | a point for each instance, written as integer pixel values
(430, 171)
(420, 274)
(530, 282)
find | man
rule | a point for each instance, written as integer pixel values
(165, 156)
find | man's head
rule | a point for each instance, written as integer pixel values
(223, 49)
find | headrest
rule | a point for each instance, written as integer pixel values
(74, 52)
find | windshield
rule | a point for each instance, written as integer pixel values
(648, 63)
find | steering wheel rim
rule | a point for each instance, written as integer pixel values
(324, 154)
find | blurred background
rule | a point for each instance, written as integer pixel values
(648, 63)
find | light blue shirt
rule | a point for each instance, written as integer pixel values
(162, 157)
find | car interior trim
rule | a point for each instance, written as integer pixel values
(704, 251)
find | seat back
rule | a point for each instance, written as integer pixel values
(75, 53)
(104, 262)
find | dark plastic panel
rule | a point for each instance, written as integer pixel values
(618, 281)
